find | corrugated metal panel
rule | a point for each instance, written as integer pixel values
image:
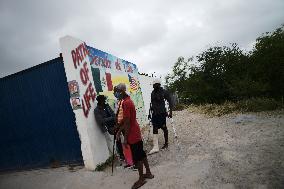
(37, 121)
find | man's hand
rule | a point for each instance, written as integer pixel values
(170, 115)
(118, 136)
(116, 127)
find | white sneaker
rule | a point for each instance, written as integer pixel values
(155, 145)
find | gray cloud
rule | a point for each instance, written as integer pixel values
(151, 34)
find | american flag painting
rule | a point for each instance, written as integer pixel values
(133, 83)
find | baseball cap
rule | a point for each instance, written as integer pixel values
(156, 81)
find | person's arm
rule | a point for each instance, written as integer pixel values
(167, 96)
(126, 127)
(112, 115)
(100, 120)
(126, 121)
(117, 126)
(111, 111)
(150, 112)
(151, 108)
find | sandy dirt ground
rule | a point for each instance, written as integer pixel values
(231, 151)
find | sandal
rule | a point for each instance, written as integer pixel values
(138, 184)
(147, 176)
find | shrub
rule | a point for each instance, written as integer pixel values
(249, 105)
(258, 104)
(179, 107)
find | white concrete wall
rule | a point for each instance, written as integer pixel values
(93, 144)
(146, 87)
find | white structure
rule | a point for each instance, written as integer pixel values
(81, 65)
(146, 84)
(77, 68)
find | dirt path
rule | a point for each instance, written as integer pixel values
(233, 151)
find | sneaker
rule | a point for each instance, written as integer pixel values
(131, 167)
(128, 166)
(134, 168)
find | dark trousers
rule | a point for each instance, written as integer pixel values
(159, 122)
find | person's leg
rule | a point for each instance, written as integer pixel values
(138, 159)
(165, 129)
(139, 165)
(155, 140)
(145, 162)
(166, 136)
(141, 181)
(148, 174)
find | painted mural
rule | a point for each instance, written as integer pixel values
(108, 71)
(91, 72)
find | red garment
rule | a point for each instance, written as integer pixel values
(109, 82)
(134, 134)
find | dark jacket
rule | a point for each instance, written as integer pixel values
(158, 98)
(104, 117)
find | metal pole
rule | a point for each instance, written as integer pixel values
(173, 126)
(114, 140)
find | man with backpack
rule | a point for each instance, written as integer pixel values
(159, 113)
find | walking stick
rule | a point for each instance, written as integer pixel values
(114, 140)
(148, 136)
(174, 129)
(150, 122)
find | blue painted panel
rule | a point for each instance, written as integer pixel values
(37, 122)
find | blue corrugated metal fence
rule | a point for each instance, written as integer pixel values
(37, 122)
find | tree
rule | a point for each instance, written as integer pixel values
(227, 73)
(267, 59)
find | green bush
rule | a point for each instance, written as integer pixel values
(258, 104)
(249, 105)
(179, 107)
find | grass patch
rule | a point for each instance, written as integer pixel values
(102, 166)
(179, 107)
(249, 105)
(259, 104)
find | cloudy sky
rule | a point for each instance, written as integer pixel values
(149, 33)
